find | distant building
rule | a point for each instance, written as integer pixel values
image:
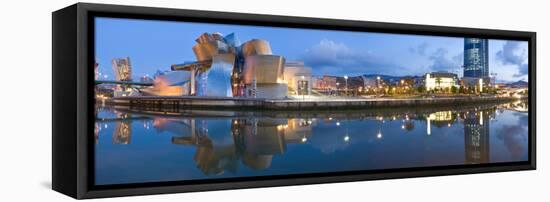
(317, 82)
(370, 82)
(375, 81)
(146, 79)
(329, 82)
(476, 57)
(477, 83)
(298, 78)
(105, 90)
(96, 71)
(351, 83)
(409, 81)
(122, 69)
(440, 80)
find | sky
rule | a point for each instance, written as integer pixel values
(155, 45)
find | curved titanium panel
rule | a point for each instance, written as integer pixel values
(256, 47)
(205, 51)
(265, 68)
(216, 81)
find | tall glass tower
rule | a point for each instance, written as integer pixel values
(476, 57)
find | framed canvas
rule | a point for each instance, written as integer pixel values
(156, 100)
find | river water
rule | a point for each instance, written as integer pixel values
(142, 146)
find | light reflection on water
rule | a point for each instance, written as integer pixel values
(134, 147)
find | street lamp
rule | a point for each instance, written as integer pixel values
(346, 78)
(377, 84)
(337, 86)
(303, 80)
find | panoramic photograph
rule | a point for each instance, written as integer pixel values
(183, 101)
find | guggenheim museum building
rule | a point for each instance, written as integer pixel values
(225, 67)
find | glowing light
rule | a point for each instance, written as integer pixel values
(481, 118)
(346, 138)
(379, 135)
(282, 81)
(429, 126)
(337, 123)
(304, 139)
(481, 85)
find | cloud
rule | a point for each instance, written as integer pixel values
(420, 49)
(337, 58)
(515, 139)
(441, 62)
(513, 53)
(523, 70)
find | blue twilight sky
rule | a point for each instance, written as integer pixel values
(155, 45)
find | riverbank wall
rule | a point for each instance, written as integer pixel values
(153, 103)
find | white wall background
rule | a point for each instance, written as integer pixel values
(25, 102)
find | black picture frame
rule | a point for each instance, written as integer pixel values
(72, 106)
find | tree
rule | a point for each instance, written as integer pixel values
(438, 82)
(461, 89)
(421, 89)
(454, 89)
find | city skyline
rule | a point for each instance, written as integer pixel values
(327, 52)
(242, 101)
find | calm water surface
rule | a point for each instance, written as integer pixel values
(136, 146)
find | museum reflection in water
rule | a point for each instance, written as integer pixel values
(224, 143)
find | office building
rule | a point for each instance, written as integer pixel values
(476, 57)
(440, 81)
